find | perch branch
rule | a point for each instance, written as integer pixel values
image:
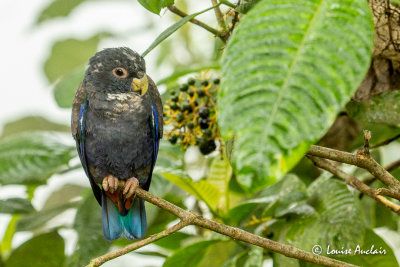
(360, 160)
(189, 218)
(182, 14)
(354, 182)
(391, 167)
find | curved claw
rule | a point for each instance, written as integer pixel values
(130, 187)
(110, 183)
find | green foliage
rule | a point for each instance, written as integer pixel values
(155, 6)
(32, 123)
(287, 70)
(15, 206)
(69, 54)
(35, 157)
(382, 108)
(190, 255)
(282, 71)
(46, 250)
(202, 190)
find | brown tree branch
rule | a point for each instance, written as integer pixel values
(391, 167)
(360, 160)
(354, 182)
(189, 218)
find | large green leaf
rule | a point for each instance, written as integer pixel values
(43, 250)
(88, 225)
(30, 158)
(155, 6)
(336, 221)
(32, 123)
(372, 242)
(288, 69)
(268, 200)
(15, 206)
(382, 108)
(69, 54)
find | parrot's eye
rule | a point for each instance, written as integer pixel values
(120, 72)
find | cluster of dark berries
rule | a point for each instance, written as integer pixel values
(192, 114)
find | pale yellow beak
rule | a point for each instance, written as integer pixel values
(141, 85)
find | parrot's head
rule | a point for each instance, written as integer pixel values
(117, 70)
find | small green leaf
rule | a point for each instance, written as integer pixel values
(32, 123)
(58, 8)
(383, 108)
(66, 86)
(88, 225)
(288, 69)
(32, 157)
(69, 54)
(190, 255)
(155, 6)
(219, 174)
(202, 190)
(15, 206)
(42, 250)
(171, 29)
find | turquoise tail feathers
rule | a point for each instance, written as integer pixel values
(132, 225)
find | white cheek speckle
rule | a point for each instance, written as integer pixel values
(119, 97)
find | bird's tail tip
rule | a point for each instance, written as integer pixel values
(132, 225)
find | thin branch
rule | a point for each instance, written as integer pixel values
(227, 3)
(115, 254)
(354, 182)
(233, 232)
(220, 17)
(182, 14)
(391, 167)
(389, 193)
(360, 160)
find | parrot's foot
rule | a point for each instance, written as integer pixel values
(110, 183)
(130, 187)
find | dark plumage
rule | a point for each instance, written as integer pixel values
(117, 123)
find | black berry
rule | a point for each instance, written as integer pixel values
(184, 87)
(203, 123)
(173, 139)
(204, 112)
(206, 147)
(201, 93)
(191, 81)
(216, 81)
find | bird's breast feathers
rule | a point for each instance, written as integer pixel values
(115, 105)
